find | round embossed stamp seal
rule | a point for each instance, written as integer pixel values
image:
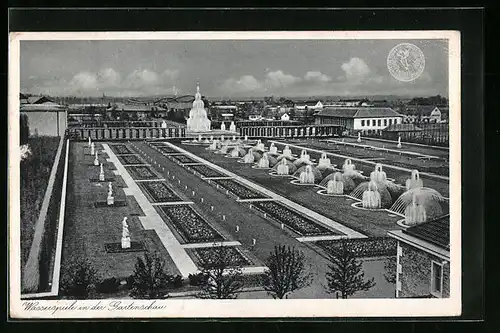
(406, 62)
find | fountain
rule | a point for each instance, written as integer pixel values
(214, 145)
(260, 145)
(90, 141)
(378, 175)
(110, 199)
(283, 168)
(324, 161)
(232, 127)
(348, 166)
(211, 138)
(263, 162)
(414, 181)
(336, 185)
(198, 121)
(415, 213)
(238, 152)
(273, 149)
(307, 176)
(371, 197)
(125, 234)
(399, 142)
(101, 174)
(249, 157)
(223, 126)
(224, 149)
(96, 159)
(287, 152)
(434, 203)
(359, 137)
(246, 138)
(92, 148)
(222, 138)
(163, 124)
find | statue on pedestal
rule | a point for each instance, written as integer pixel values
(232, 127)
(125, 234)
(101, 174)
(92, 148)
(96, 160)
(110, 199)
(223, 126)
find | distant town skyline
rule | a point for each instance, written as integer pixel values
(226, 69)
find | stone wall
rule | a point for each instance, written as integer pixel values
(415, 274)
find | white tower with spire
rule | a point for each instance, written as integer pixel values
(198, 121)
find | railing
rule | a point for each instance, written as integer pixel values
(124, 133)
(293, 131)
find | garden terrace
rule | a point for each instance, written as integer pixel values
(120, 149)
(239, 190)
(206, 171)
(164, 149)
(339, 209)
(34, 177)
(141, 172)
(297, 222)
(191, 226)
(129, 159)
(361, 247)
(182, 159)
(204, 256)
(159, 192)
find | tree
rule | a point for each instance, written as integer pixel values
(150, 279)
(223, 277)
(286, 273)
(346, 275)
(79, 279)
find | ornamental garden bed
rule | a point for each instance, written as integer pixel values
(206, 256)
(166, 149)
(130, 159)
(295, 221)
(362, 247)
(190, 225)
(141, 172)
(206, 171)
(182, 159)
(120, 149)
(239, 190)
(159, 192)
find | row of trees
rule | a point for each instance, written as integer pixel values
(287, 272)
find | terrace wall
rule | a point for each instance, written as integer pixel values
(124, 133)
(297, 131)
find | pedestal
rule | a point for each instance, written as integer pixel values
(101, 177)
(96, 162)
(125, 242)
(110, 201)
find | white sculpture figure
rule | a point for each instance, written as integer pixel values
(198, 120)
(371, 197)
(164, 124)
(110, 200)
(336, 185)
(287, 151)
(359, 136)
(399, 142)
(234, 138)
(90, 142)
(92, 148)
(283, 168)
(96, 159)
(223, 126)
(125, 234)
(232, 127)
(101, 174)
(414, 181)
(273, 149)
(378, 175)
(324, 161)
(307, 176)
(415, 213)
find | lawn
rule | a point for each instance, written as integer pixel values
(34, 178)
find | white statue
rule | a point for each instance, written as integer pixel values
(222, 126)
(125, 234)
(232, 127)
(92, 148)
(164, 124)
(198, 120)
(96, 159)
(101, 174)
(90, 142)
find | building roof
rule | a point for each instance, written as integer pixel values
(436, 232)
(49, 106)
(136, 107)
(423, 110)
(402, 128)
(357, 112)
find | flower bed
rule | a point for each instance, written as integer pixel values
(192, 227)
(206, 171)
(167, 149)
(141, 172)
(130, 159)
(183, 159)
(362, 247)
(120, 149)
(159, 192)
(241, 191)
(235, 257)
(295, 221)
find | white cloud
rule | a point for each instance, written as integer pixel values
(278, 79)
(246, 83)
(108, 77)
(139, 78)
(316, 76)
(355, 69)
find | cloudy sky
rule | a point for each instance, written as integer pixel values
(225, 68)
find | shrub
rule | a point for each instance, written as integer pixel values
(150, 279)
(197, 279)
(177, 281)
(110, 285)
(79, 279)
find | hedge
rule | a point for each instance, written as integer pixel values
(362, 247)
